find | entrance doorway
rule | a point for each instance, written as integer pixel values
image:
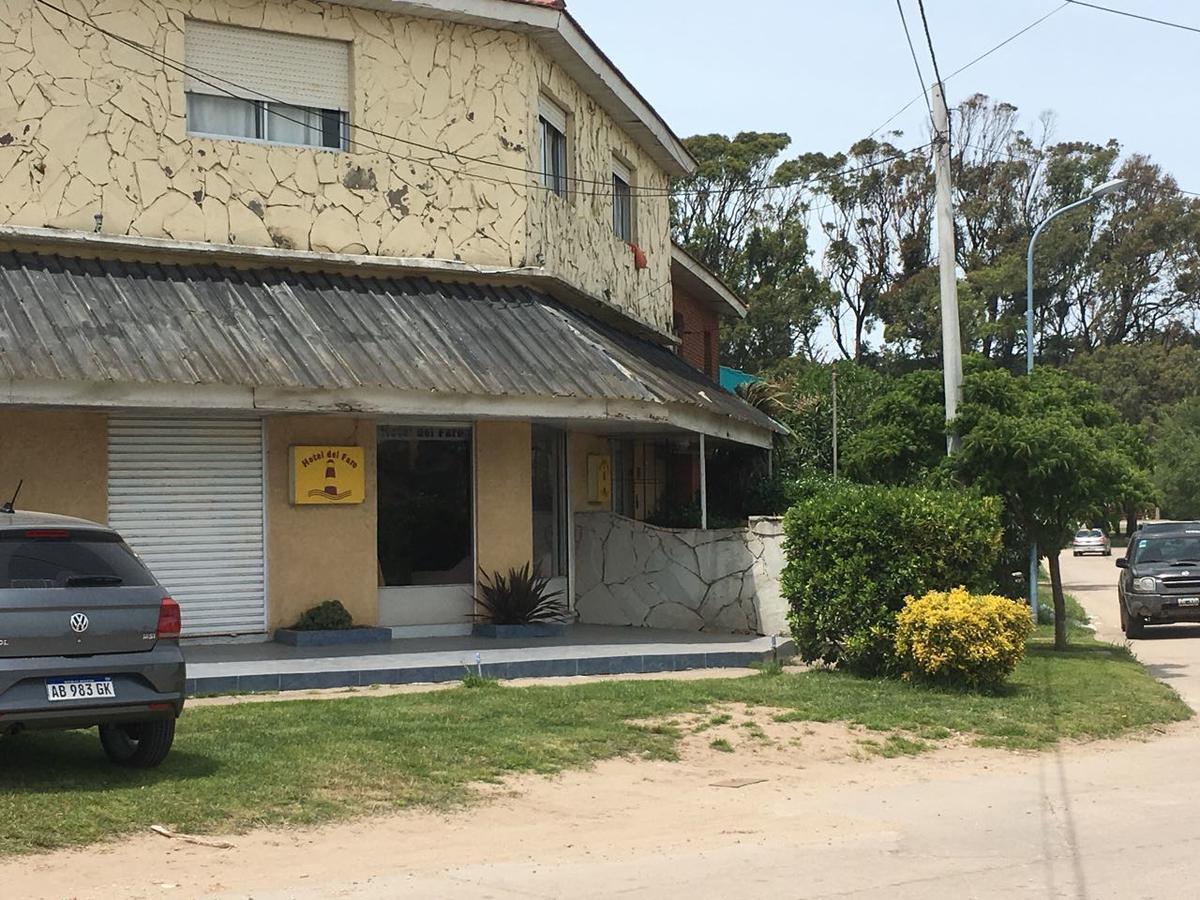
(426, 527)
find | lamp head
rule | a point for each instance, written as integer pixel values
(1108, 187)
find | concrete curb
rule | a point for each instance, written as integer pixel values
(531, 668)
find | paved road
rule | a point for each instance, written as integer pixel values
(1108, 820)
(1172, 652)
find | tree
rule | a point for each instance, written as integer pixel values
(1146, 383)
(799, 394)
(1177, 460)
(743, 215)
(876, 224)
(1046, 444)
(1143, 381)
(902, 439)
(1053, 451)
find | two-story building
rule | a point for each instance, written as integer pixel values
(348, 299)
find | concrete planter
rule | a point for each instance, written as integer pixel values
(540, 630)
(294, 638)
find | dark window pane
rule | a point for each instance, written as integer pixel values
(424, 507)
(554, 159)
(549, 502)
(333, 129)
(622, 208)
(52, 562)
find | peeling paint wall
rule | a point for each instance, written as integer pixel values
(90, 126)
(574, 237)
(630, 573)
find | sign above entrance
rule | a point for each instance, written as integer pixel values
(328, 476)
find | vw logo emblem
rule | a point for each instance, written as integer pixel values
(79, 623)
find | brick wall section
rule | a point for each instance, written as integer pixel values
(699, 331)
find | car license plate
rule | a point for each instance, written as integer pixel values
(59, 689)
(1189, 601)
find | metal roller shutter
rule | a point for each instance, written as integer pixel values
(266, 65)
(187, 495)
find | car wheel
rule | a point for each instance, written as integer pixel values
(1131, 625)
(139, 745)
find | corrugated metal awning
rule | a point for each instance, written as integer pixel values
(142, 323)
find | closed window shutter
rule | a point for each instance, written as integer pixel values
(553, 113)
(266, 65)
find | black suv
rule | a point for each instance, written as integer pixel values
(1160, 581)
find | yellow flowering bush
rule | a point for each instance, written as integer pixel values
(956, 637)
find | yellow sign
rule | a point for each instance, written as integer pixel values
(328, 476)
(599, 479)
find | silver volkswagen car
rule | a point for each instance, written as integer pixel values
(88, 638)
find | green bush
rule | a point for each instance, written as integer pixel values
(961, 639)
(327, 616)
(855, 552)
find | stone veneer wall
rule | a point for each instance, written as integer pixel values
(630, 573)
(89, 126)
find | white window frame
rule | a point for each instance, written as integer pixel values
(552, 118)
(269, 69)
(262, 115)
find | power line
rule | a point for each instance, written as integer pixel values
(933, 56)
(1130, 15)
(210, 80)
(207, 79)
(982, 56)
(1008, 40)
(913, 52)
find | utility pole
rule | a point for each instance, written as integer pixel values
(952, 376)
(835, 427)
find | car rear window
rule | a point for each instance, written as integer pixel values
(1095, 532)
(59, 558)
(1083, 532)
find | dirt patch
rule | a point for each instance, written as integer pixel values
(787, 784)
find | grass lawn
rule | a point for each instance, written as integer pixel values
(302, 762)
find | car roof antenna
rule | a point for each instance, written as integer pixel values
(9, 507)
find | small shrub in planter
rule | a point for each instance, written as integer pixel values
(520, 600)
(327, 616)
(329, 624)
(961, 639)
(855, 552)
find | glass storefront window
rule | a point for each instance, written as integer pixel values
(424, 505)
(549, 502)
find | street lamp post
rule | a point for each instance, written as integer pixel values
(1107, 188)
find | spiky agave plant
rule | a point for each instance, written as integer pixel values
(522, 597)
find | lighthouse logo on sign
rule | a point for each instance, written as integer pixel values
(327, 475)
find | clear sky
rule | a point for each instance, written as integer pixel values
(829, 71)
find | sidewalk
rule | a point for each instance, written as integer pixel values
(584, 650)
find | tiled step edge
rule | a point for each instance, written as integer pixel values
(533, 668)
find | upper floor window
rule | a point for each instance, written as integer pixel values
(622, 185)
(268, 86)
(553, 122)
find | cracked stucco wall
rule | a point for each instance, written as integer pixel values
(90, 126)
(574, 237)
(633, 574)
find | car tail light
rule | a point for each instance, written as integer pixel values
(169, 620)
(47, 534)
